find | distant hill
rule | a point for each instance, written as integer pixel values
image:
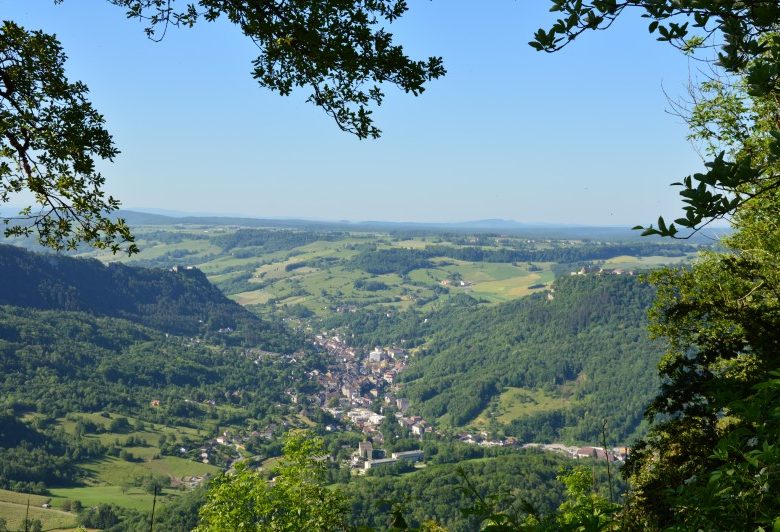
(544, 367)
(179, 301)
(530, 230)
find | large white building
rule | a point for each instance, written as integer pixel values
(413, 456)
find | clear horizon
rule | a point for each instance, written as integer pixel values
(718, 224)
(176, 213)
(579, 137)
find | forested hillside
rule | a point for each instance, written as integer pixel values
(55, 363)
(84, 348)
(179, 302)
(576, 357)
(436, 492)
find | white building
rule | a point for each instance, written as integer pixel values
(371, 464)
(376, 355)
(413, 456)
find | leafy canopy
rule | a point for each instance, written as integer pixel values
(50, 136)
(337, 48)
(711, 458)
(296, 499)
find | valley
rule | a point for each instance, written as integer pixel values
(466, 347)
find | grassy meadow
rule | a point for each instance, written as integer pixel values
(626, 262)
(13, 508)
(50, 518)
(322, 289)
(111, 479)
(515, 403)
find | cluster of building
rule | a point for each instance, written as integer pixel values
(231, 444)
(585, 270)
(359, 386)
(615, 454)
(455, 282)
(416, 425)
(483, 439)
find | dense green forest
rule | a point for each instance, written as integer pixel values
(77, 337)
(54, 363)
(585, 343)
(57, 362)
(179, 302)
(436, 493)
(371, 328)
(30, 459)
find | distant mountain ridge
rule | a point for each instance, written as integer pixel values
(532, 230)
(179, 301)
(166, 218)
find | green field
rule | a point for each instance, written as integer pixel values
(117, 472)
(322, 289)
(111, 479)
(50, 518)
(512, 288)
(192, 245)
(626, 262)
(13, 508)
(174, 466)
(494, 282)
(151, 432)
(14, 497)
(515, 403)
(134, 498)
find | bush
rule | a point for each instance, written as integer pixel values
(120, 424)
(126, 455)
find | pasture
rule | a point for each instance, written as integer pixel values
(134, 498)
(50, 518)
(113, 479)
(627, 262)
(515, 403)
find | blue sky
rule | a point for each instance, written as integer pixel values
(576, 137)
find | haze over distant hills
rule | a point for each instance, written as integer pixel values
(492, 223)
(555, 230)
(530, 229)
